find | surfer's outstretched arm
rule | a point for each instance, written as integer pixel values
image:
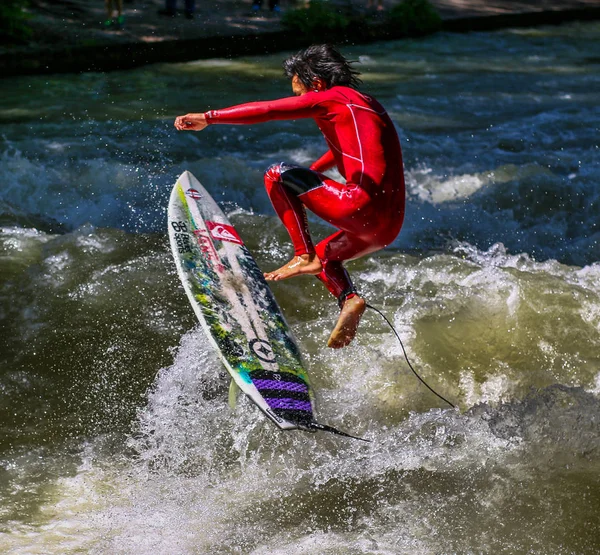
(191, 122)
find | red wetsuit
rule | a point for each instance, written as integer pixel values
(368, 209)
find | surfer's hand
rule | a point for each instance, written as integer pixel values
(191, 122)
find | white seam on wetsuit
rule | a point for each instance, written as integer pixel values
(361, 160)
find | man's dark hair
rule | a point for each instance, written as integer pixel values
(322, 61)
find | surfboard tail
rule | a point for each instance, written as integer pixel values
(316, 426)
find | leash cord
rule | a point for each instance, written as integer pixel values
(406, 356)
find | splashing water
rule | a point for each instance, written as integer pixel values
(117, 434)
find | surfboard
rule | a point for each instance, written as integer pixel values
(237, 309)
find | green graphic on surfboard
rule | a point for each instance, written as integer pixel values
(236, 308)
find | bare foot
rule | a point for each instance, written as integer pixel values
(347, 323)
(302, 264)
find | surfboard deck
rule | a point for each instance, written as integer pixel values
(238, 311)
(236, 307)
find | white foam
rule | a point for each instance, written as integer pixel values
(423, 184)
(596, 387)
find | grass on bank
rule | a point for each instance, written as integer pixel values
(13, 22)
(321, 18)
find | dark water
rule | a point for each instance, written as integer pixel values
(116, 434)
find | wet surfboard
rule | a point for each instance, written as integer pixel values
(237, 309)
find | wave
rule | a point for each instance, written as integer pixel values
(221, 483)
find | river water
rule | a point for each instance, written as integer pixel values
(116, 433)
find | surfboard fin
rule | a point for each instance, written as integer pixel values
(325, 428)
(234, 391)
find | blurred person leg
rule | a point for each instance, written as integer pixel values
(170, 9)
(190, 8)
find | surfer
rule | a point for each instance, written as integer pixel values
(368, 209)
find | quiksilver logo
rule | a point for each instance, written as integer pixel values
(224, 232)
(220, 232)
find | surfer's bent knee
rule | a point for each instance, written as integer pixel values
(273, 172)
(296, 179)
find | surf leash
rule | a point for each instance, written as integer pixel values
(406, 356)
(324, 428)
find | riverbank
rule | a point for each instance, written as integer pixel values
(71, 36)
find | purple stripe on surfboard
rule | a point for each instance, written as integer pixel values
(275, 384)
(290, 404)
